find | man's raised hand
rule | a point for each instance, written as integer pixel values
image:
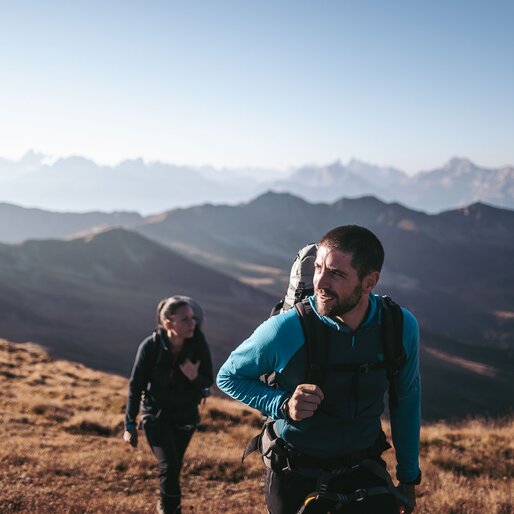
(304, 402)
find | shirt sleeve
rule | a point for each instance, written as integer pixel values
(267, 350)
(406, 417)
(138, 380)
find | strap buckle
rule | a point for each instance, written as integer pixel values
(364, 368)
(186, 428)
(360, 494)
(287, 468)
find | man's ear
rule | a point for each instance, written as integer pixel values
(370, 281)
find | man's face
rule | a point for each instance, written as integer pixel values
(337, 286)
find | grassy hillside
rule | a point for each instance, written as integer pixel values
(62, 452)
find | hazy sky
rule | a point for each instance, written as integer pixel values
(259, 83)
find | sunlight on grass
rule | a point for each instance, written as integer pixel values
(65, 454)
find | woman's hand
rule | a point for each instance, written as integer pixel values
(190, 369)
(130, 437)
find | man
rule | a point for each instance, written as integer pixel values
(340, 421)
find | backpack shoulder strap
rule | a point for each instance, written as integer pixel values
(392, 340)
(156, 349)
(277, 309)
(316, 342)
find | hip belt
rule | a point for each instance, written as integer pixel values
(281, 456)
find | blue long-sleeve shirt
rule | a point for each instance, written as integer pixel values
(342, 424)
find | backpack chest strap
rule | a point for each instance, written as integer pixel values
(361, 369)
(316, 342)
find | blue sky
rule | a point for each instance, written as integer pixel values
(259, 83)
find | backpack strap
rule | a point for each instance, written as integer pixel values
(392, 340)
(325, 493)
(157, 342)
(156, 354)
(277, 309)
(316, 342)
(361, 369)
(298, 295)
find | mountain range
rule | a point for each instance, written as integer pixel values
(79, 184)
(92, 297)
(453, 269)
(437, 264)
(456, 184)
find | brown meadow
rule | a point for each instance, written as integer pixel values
(62, 451)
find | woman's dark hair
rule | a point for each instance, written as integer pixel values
(166, 308)
(197, 309)
(160, 305)
(364, 246)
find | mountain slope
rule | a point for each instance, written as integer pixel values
(94, 298)
(19, 224)
(438, 265)
(455, 257)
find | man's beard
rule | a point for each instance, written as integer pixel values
(338, 306)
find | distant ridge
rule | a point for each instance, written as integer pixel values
(94, 298)
(427, 256)
(19, 223)
(431, 260)
(79, 184)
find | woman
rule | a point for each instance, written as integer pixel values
(171, 373)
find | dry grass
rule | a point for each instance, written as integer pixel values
(468, 467)
(61, 423)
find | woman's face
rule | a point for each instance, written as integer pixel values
(182, 323)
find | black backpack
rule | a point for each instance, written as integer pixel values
(316, 335)
(316, 341)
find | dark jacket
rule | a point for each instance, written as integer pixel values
(158, 384)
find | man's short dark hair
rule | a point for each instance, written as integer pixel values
(366, 249)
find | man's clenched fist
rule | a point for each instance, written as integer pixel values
(304, 402)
